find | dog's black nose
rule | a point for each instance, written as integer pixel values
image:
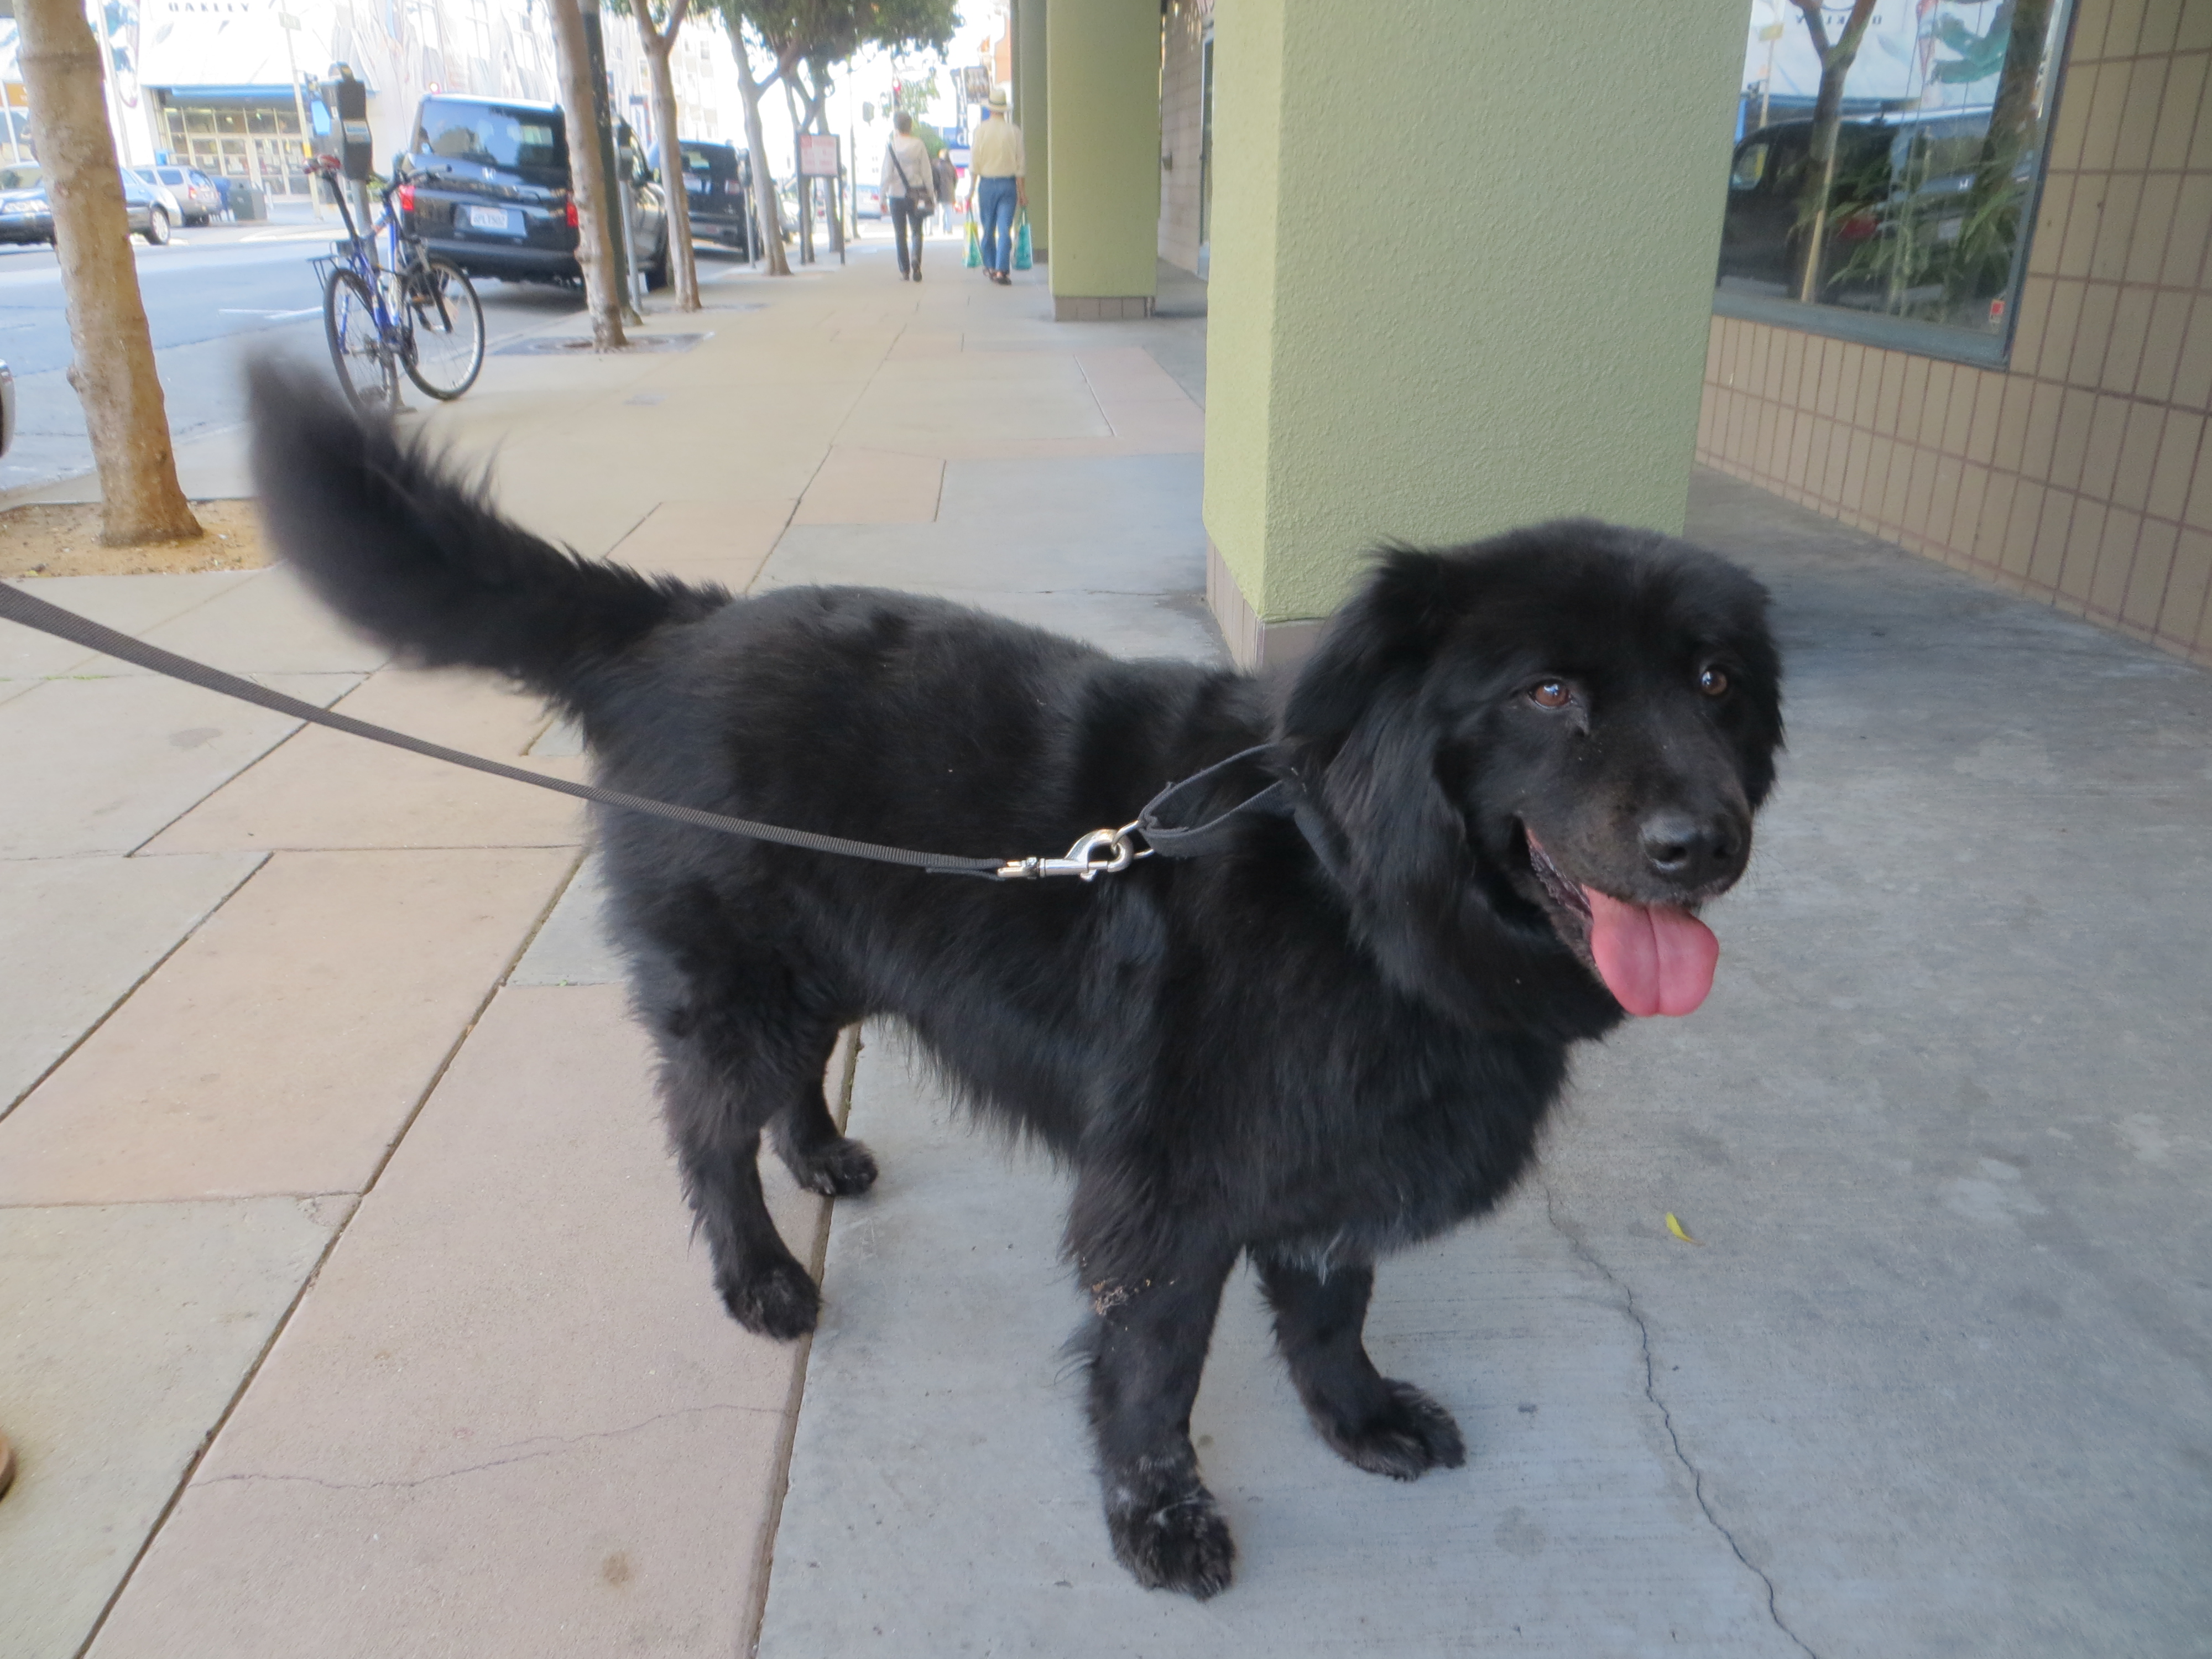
(1691, 848)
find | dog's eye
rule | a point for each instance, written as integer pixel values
(1713, 682)
(1550, 693)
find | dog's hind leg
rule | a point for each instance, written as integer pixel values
(729, 1069)
(1385, 1427)
(1147, 1351)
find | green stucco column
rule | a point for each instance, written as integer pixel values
(1103, 74)
(1031, 112)
(1461, 280)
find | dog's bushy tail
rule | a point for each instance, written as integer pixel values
(389, 534)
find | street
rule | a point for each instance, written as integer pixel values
(213, 296)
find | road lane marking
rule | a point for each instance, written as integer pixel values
(273, 316)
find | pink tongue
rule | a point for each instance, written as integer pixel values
(1654, 959)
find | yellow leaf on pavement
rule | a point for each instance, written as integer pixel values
(1678, 1229)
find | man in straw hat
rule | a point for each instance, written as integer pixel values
(997, 186)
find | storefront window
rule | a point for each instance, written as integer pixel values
(1887, 158)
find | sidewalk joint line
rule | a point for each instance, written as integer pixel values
(253, 1371)
(110, 1012)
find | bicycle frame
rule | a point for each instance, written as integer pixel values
(357, 252)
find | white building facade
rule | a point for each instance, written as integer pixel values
(224, 85)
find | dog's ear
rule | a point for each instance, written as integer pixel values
(1390, 629)
(1365, 749)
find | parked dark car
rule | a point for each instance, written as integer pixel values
(26, 215)
(486, 184)
(1904, 227)
(718, 185)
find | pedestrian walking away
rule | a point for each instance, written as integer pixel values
(998, 172)
(906, 191)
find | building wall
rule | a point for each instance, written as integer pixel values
(1181, 127)
(2080, 474)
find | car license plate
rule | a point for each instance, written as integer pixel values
(484, 218)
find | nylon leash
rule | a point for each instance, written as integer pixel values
(1101, 852)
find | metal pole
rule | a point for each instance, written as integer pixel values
(288, 23)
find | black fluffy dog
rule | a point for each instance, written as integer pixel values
(1522, 764)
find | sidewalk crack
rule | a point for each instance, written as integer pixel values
(1635, 1315)
(543, 1446)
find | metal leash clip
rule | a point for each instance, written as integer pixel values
(1101, 853)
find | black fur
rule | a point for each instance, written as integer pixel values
(1260, 1052)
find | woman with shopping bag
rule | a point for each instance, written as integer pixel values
(906, 179)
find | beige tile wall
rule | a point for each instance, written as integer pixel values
(2080, 474)
(1182, 27)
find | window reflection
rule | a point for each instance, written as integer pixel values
(1888, 154)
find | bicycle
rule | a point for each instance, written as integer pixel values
(411, 312)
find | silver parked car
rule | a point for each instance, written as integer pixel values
(196, 198)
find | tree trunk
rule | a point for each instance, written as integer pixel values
(114, 373)
(682, 271)
(756, 141)
(1836, 63)
(597, 201)
(805, 184)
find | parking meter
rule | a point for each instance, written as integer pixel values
(347, 99)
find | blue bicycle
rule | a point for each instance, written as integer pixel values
(409, 312)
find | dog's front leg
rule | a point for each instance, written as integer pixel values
(1147, 1347)
(1376, 1422)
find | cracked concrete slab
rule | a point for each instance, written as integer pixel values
(942, 1498)
(1943, 1356)
(124, 1332)
(512, 1418)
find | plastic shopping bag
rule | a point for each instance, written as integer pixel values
(975, 242)
(1022, 239)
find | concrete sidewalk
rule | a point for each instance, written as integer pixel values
(303, 1036)
(346, 1305)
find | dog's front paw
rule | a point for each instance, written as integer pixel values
(1403, 1436)
(1173, 1540)
(775, 1298)
(841, 1169)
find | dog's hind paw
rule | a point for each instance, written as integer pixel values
(841, 1169)
(775, 1298)
(1177, 1542)
(1404, 1436)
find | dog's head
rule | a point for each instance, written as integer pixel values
(1539, 756)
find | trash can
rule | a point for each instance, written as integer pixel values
(246, 203)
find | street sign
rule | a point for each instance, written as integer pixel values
(817, 155)
(975, 82)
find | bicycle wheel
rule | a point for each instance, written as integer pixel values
(448, 323)
(350, 324)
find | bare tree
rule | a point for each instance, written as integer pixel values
(595, 196)
(659, 44)
(114, 373)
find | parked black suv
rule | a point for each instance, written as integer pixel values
(718, 187)
(487, 186)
